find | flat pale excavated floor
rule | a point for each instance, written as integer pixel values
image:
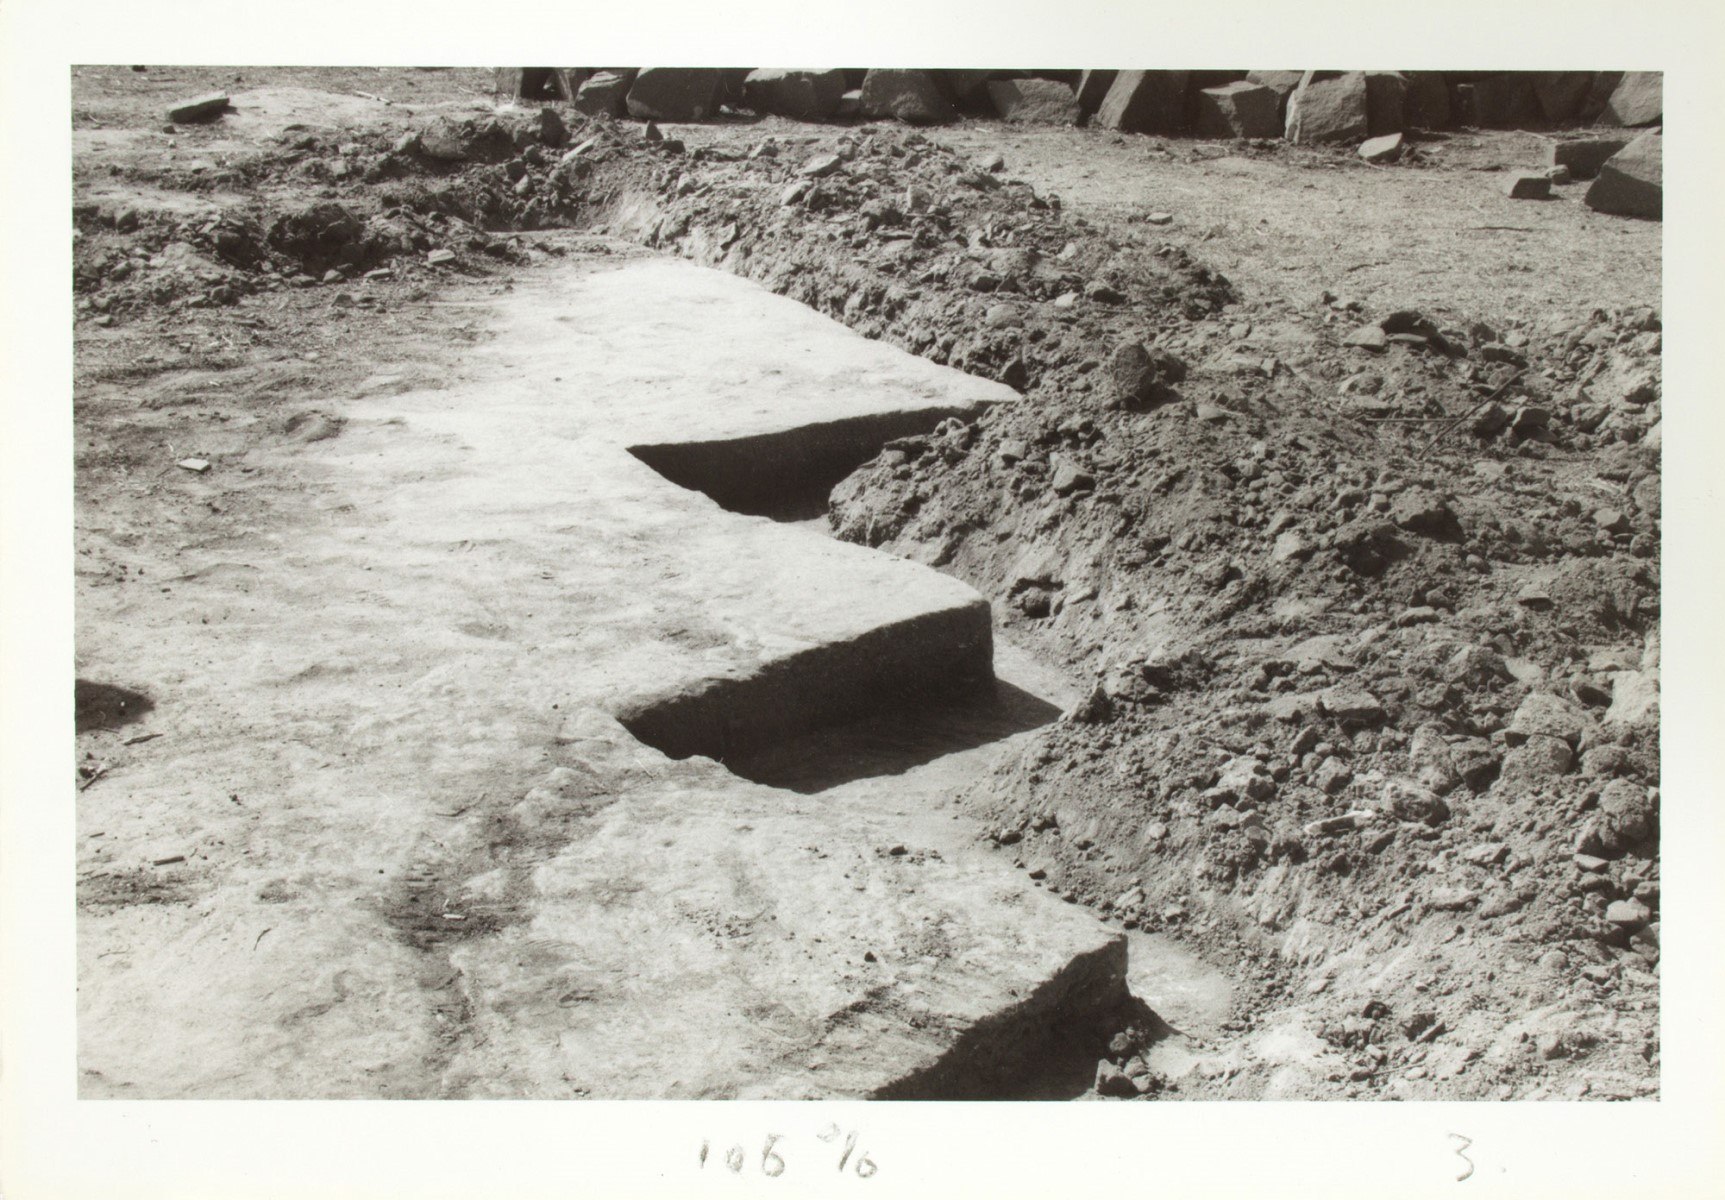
(422, 857)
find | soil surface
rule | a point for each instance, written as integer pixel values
(1332, 502)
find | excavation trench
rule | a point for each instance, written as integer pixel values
(910, 703)
(784, 903)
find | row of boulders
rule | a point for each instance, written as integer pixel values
(1303, 106)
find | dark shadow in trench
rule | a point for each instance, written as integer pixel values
(894, 741)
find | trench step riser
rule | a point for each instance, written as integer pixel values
(927, 659)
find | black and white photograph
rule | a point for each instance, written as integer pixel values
(946, 582)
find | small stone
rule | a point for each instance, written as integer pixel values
(1332, 776)
(439, 257)
(1289, 545)
(1069, 477)
(1351, 704)
(1387, 148)
(1368, 337)
(1102, 293)
(1486, 854)
(1112, 1081)
(821, 166)
(196, 466)
(199, 108)
(1160, 218)
(1591, 863)
(1411, 802)
(1628, 912)
(1527, 185)
(1449, 899)
(1345, 823)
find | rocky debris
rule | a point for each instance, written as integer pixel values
(1383, 149)
(675, 93)
(1638, 99)
(909, 96)
(1631, 182)
(806, 95)
(1239, 110)
(1328, 106)
(1526, 185)
(1583, 156)
(604, 94)
(1144, 102)
(1039, 101)
(199, 108)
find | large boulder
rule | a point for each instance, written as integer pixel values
(1092, 87)
(1427, 103)
(604, 93)
(1239, 110)
(792, 92)
(1631, 183)
(1583, 156)
(1283, 84)
(1328, 106)
(540, 83)
(962, 83)
(911, 96)
(676, 93)
(1386, 102)
(1040, 101)
(1501, 101)
(1638, 99)
(1145, 102)
(1598, 96)
(1561, 94)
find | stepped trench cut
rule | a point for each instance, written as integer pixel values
(558, 595)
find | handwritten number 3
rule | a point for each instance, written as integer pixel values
(1465, 1143)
